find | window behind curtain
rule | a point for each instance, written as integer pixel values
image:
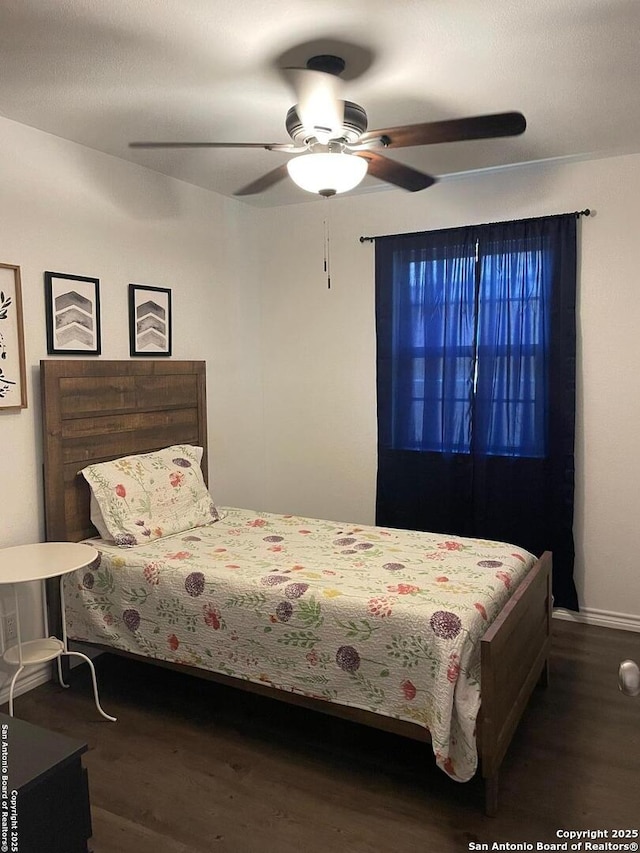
(470, 340)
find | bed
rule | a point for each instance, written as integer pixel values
(295, 578)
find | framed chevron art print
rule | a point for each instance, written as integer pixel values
(73, 314)
(149, 320)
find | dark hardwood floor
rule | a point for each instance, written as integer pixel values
(193, 766)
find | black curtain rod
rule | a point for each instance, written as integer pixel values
(576, 213)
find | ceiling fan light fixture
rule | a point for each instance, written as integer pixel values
(327, 174)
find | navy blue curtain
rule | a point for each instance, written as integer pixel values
(476, 385)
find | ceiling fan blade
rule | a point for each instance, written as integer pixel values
(269, 146)
(265, 181)
(395, 173)
(453, 130)
(320, 106)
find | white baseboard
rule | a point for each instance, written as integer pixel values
(603, 618)
(31, 678)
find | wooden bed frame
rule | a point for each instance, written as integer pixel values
(96, 410)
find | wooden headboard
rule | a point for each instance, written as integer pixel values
(96, 410)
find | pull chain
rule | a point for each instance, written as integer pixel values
(327, 254)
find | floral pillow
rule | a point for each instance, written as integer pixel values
(144, 497)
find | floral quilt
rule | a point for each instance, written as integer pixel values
(380, 619)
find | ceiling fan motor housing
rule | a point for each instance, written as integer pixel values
(354, 125)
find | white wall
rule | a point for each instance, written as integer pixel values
(70, 209)
(319, 346)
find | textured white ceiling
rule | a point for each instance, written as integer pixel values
(107, 72)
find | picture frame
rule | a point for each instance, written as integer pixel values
(150, 321)
(73, 314)
(13, 374)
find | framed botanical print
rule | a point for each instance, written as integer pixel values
(13, 379)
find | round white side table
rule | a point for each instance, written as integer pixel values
(39, 562)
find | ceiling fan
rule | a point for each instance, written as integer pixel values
(332, 148)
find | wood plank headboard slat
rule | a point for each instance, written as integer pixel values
(86, 425)
(85, 449)
(84, 395)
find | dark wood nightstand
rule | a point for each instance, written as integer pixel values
(44, 790)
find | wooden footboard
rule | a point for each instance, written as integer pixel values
(514, 654)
